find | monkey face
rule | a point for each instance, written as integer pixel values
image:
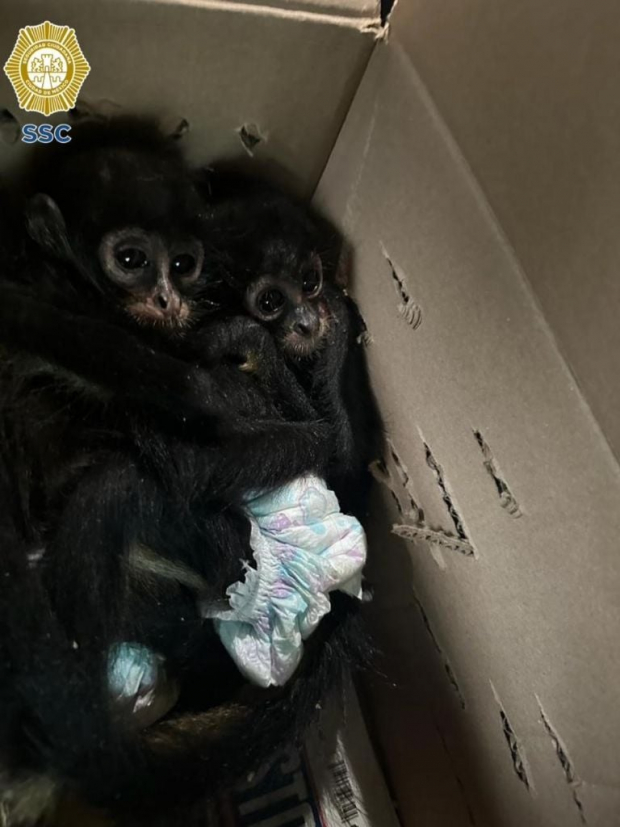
(155, 276)
(293, 307)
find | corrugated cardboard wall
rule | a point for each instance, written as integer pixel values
(286, 71)
(530, 92)
(501, 638)
(500, 703)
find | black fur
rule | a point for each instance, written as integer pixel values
(96, 457)
(258, 231)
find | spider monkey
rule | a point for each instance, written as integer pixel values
(51, 285)
(92, 463)
(281, 265)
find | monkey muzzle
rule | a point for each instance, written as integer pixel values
(165, 304)
(304, 333)
(161, 306)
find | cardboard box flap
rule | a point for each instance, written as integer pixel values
(365, 11)
(529, 91)
(234, 71)
(501, 474)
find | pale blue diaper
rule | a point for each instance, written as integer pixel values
(304, 548)
(139, 684)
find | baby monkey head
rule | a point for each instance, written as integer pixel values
(155, 275)
(290, 302)
(121, 209)
(274, 258)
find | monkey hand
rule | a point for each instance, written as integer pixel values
(251, 348)
(238, 340)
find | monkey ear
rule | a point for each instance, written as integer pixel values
(46, 226)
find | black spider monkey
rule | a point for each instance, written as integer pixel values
(86, 439)
(282, 265)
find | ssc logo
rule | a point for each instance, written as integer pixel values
(45, 133)
(47, 68)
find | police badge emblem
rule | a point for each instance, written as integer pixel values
(47, 68)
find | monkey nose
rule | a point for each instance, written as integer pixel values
(167, 304)
(306, 328)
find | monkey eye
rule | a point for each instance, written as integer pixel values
(312, 283)
(270, 301)
(132, 258)
(183, 264)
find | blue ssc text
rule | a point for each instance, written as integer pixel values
(45, 133)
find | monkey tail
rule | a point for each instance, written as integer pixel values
(56, 717)
(213, 750)
(54, 706)
(175, 764)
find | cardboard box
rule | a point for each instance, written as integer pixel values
(470, 151)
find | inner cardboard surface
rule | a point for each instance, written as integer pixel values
(474, 176)
(220, 65)
(504, 661)
(529, 91)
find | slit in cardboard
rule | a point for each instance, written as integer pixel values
(386, 8)
(364, 338)
(506, 497)
(381, 473)
(397, 502)
(250, 136)
(440, 538)
(180, 130)
(89, 108)
(572, 779)
(454, 683)
(407, 307)
(416, 529)
(416, 513)
(457, 777)
(444, 658)
(447, 498)
(517, 753)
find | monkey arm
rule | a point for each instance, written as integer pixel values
(248, 344)
(120, 364)
(330, 374)
(45, 686)
(62, 689)
(104, 354)
(342, 392)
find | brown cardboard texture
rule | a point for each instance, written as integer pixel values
(504, 659)
(228, 68)
(530, 94)
(470, 157)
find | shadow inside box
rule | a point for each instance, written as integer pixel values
(425, 738)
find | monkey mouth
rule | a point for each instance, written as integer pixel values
(146, 314)
(302, 347)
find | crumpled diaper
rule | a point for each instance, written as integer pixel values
(304, 548)
(139, 684)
